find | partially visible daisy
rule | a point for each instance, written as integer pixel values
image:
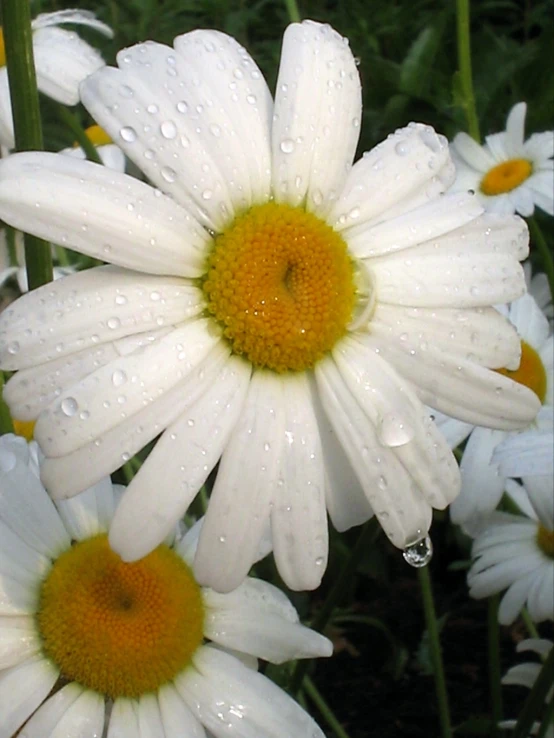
(526, 454)
(516, 553)
(110, 154)
(62, 62)
(507, 174)
(269, 305)
(525, 675)
(141, 648)
(482, 482)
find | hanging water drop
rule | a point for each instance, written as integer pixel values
(419, 554)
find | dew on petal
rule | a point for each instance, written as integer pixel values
(69, 406)
(128, 134)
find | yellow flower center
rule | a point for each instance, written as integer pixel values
(2, 49)
(545, 540)
(120, 629)
(506, 176)
(24, 428)
(531, 371)
(96, 135)
(281, 283)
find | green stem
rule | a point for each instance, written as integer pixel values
(368, 533)
(547, 721)
(26, 116)
(326, 712)
(6, 424)
(535, 701)
(495, 686)
(435, 648)
(529, 624)
(69, 119)
(464, 67)
(292, 10)
(546, 254)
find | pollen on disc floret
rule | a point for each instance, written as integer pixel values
(119, 629)
(280, 282)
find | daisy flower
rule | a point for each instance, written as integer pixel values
(110, 155)
(525, 675)
(482, 481)
(269, 306)
(507, 174)
(516, 552)
(62, 61)
(141, 647)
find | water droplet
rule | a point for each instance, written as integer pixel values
(394, 430)
(419, 554)
(354, 213)
(168, 174)
(168, 129)
(128, 134)
(152, 109)
(251, 99)
(113, 323)
(401, 148)
(119, 377)
(69, 406)
(13, 348)
(287, 146)
(182, 106)
(215, 130)
(155, 296)
(120, 300)
(207, 195)
(85, 415)
(319, 561)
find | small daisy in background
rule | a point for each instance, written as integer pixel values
(525, 675)
(130, 646)
(482, 482)
(62, 61)
(270, 305)
(508, 174)
(516, 553)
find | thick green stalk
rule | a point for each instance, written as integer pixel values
(71, 122)
(539, 240)
(547, 721)
(326, 712)
(464, 67)
(368, 533)
(495, 685)
(292, 10)
(435, 649)
(6, 424)
(534, 703)
(26, 116)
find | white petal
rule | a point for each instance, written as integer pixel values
(403, 513)
(6, 120)
(476, 334)
(402, 423)
(124, 719)
(455, 431)
(503, 573)
(22, 689)
(515, 598)
(540, 146)
(92, 307)
(258, 619)
(539, 489)
(240, 501)
(397, 168)
(497, 145)
(176, 717)
(523, 675)
(89, 513)
(62, 61)
(243, 111)
(47, 718)
(32, 390)
(298, 514)
(346, 502)
(19, 640)
(24, 505)
(316, 123)
(149, 717)
(67, 475)
(85, 717)
(530, 321)
(526, 454)
(429, 221)
(18, 560)
(231, 699)
(482, 485)
(515, 127)
(540, 600)
(86, 410)
(180, 462)
(447, 278)
(78, 17)
(459, 387)
(105, 214)
(469, 150)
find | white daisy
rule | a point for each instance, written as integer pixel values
(142, 640)
(62, 61)
(525, 675)
(516, 552)
(277, 308)
(482, 481)
(110, 155)
(507, 174)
